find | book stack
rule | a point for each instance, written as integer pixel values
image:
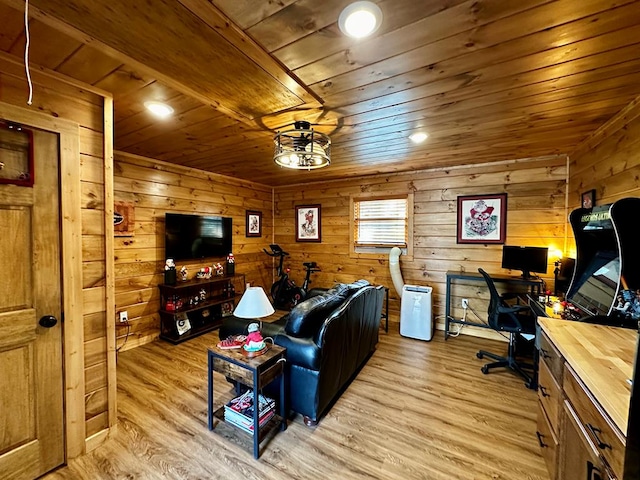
(239, 411)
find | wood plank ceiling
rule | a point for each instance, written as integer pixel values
(488, 80)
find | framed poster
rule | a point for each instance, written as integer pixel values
(308, 223)
(482, 218)
(254, 223)
(588, 199)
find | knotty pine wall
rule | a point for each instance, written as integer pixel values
(609, 161)
(90, 389)
(536, 216)
(156, 187)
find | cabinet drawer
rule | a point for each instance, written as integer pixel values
(550, 395)
(547, 441)
(603, 434)
(550, 355)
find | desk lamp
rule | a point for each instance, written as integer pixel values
(254, 304)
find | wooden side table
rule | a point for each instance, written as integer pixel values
(256, 373)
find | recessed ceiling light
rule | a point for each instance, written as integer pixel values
(159, 109)
(418, 137)
(360, 19)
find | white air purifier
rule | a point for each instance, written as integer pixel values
(416, 320)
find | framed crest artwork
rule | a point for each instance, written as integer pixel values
(254, 223)
(482, 218)
(588, 199)
(308, 223)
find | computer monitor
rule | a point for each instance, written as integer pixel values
(526, 259)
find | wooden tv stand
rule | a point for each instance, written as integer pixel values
(584, 398)
(204, 302)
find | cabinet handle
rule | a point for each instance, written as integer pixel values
(593, 473)
(544, 353)
(540, 437)
(543, 391)
(595, 431)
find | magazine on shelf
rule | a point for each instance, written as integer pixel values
(243, 423)
(243, 404)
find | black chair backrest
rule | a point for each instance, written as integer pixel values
(494, 302)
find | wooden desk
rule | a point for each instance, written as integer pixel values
(534, 285)
(584, 396)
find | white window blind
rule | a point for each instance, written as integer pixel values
(380, 222)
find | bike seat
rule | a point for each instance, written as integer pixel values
(310, 264)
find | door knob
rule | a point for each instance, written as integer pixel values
(48, 321)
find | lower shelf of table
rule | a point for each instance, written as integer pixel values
(194, 332)
(239, 436)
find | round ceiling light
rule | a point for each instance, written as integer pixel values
(159, 109)
(418, 137)
(360, 19)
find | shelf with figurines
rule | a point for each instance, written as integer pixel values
(193, 306)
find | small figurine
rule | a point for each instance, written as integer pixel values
(203, 294)
(231, 264)
(219, 269)
(184, 273)
(169, 264)
(254, 342)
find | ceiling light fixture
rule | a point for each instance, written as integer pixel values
(360, 19)
(159, 109)
(302, 148)
(418, 137)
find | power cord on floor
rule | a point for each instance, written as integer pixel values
(485, 322)
(126, 337)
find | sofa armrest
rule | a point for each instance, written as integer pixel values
(302, 352)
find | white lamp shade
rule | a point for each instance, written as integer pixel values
(254, 304)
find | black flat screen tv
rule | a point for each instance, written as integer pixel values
(192, 237)
(526, 259)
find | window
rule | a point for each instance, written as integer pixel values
(380, 223)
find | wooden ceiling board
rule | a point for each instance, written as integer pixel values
(330, 40)
(488, 80)
(87, 67)
(186, 48)
(12, 26)
(47, 47)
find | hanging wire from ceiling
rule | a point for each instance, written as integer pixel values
(26, 51)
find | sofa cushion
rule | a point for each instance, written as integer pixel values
(306, 317)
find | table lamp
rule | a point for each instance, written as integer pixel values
(254, 304)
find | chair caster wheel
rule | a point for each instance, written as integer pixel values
(484, 370)
(479, 355)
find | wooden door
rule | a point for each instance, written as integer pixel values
(31, 375)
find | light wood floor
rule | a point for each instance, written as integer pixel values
(417, 410)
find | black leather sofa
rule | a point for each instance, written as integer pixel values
(328, 337)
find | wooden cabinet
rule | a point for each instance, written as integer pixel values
(584, 399)
(194, 307)
(550, 398)
(580, 459)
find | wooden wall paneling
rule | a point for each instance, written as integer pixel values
(535, 218)
(157, 187)
(110, 310)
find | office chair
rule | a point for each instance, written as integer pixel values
(513, 319)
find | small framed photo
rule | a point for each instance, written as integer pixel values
(588, 199)
(482, 218)
(308, 223)
(254, 223)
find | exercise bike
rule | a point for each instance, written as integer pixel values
(285, 294)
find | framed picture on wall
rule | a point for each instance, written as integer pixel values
(588, 199)
(254, 223)
(308, 223)
(482, 218)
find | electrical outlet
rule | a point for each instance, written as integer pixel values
(465, 303)
(124, 317)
